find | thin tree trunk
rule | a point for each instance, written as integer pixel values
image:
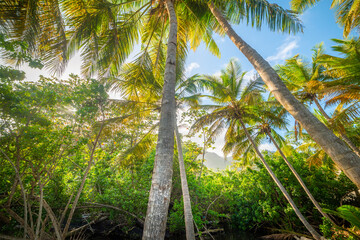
(189, 221)
(159, 198)
(55, 223)
(30, 214)
(321, 109)
(350, 143)
(22, 191)
(201, 166)
(12, 191)
(87, 170)
(203, 158)
(342, 134)
(65, 210)
(343, 157)
(14, 215)
(313, 200)
(278, 183)
(38, 223)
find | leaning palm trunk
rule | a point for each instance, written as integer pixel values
(278, 183)
(159, 199)
(189, 222)
(297, 176)
(342, 133)
(343, 157)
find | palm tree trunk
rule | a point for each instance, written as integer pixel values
(321, 109)
(342, 133)
(313, 200)
(203, 158)
(159, 199)
(343, 157)
(189, 221)
(278, 183)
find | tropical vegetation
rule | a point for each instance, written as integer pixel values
(77, 164)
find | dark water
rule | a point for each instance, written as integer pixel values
(222, 236)
(228, 235)
(107, 230)
(236, 236)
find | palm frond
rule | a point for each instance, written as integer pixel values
(302, 5)
(259, 12)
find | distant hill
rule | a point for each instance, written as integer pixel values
(216, 162)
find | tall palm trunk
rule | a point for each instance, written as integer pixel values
(159, 199)
(278, 183)
(342, 133)
(313, 200)
(189, 222)
(343, 157)
(203, 157)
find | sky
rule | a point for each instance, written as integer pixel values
(319, 26)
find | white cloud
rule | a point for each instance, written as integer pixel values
(285, 50)
(217, 74)
(250, 74)
(233, 58)
(267, 146)
(191, 67)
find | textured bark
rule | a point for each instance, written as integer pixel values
(342, 133)
(159, 199)
(297, 176)
(189, 222)
(281, 187)
(350, 143)
(343, 157)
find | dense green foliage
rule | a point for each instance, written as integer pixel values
(48, 143)
(70, 155)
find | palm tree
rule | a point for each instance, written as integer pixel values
(136, 79)
(347, 12)
(344, 89)
(308, 83)
(159, 198)
(189, 220)
(343, 157)
(40, 24)
(271, 118)
(106, 33)
(236, 102)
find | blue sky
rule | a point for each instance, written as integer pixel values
(319, 26)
